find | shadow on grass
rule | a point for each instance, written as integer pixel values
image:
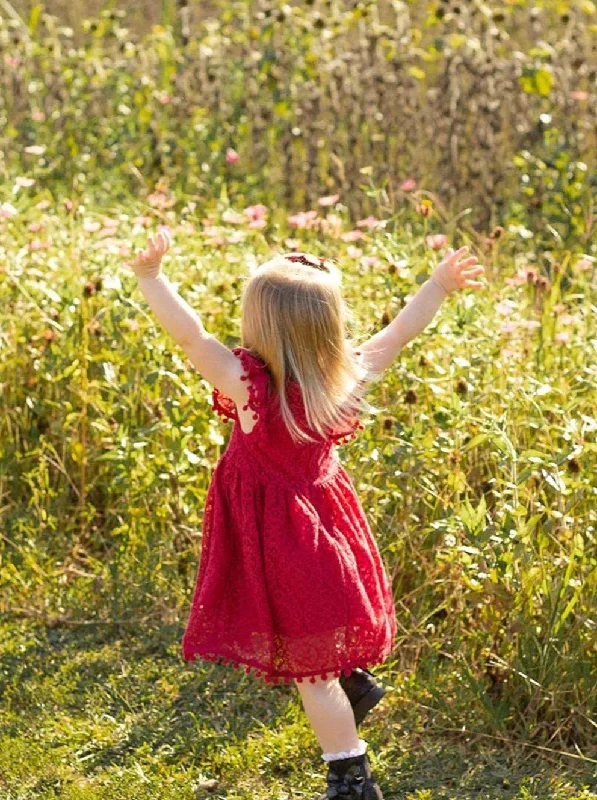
(127, 694)
(183, 710)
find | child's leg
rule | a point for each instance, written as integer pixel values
(329, 711)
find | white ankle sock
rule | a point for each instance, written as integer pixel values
(356, 751)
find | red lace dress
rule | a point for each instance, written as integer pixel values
(290, 583)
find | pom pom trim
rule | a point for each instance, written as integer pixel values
(285, 677)
(225, 406)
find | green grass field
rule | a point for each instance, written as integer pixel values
(378, 134)
(109, 712)
(477, 475)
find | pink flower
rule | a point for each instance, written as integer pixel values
(160, 200)
(257, 223)
(35, 227)
(36, 149)
(352, 236)
(143, 222)
(584, 264)
(236, 236)
(566, 319)
(256, 212)
(91, 227)
(11, 61)
(329, 200)
(164, 98)
(579, 94)
(304, 219)
(437, 240)
(370, 261)
(37, 244)
(43, 204)
(22, 181)
(524, 275)
(408, 184)
(37, 116)
(508, 327)
(531, 324)
(371, 223)
(562, 336)
(292, 244)
(353, 252)
(7, 210)
(232, 156)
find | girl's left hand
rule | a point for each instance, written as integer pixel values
(452, 274)
(148, 262)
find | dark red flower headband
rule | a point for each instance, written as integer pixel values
(309, 260)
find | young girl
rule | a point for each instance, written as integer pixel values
(290, 582)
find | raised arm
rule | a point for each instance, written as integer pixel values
(216, 362)
(382, 348)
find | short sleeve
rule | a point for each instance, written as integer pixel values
(256, 373)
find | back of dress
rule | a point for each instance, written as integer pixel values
(291, 582)
(269, 445)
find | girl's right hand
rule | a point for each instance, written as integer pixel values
(147, 263)
(452, 274)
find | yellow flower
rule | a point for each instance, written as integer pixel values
(425, 208)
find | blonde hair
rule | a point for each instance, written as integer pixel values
(293, 316)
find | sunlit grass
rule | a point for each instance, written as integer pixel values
(108, 713)
(477, 477)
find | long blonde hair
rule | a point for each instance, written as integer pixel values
(293, 316)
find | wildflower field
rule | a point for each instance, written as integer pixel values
(378, 134)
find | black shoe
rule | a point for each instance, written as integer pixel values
(351, 779)
(363, 691)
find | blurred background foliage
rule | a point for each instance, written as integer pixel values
(481, 102)
(436, 123)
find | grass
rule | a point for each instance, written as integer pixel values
(97, 711)
(476, 475)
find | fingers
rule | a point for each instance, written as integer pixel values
(466, 263)
(470, 273)
(161, 242)
(454, 256)
(164, 232)
(152, 247)
(473, 285)
(157, 245)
